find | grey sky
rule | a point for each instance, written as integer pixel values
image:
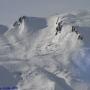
(10, 10)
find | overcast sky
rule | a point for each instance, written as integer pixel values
(10, 10)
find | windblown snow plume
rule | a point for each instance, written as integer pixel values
(47, 53)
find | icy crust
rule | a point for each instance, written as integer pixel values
(39, 59)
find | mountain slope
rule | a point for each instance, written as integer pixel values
(41, 57)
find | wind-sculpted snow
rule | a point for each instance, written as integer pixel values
(38, 56)
(43, 80)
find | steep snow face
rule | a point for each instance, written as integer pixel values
(23, 34)
(48, 53)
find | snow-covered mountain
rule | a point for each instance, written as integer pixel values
(50, 53)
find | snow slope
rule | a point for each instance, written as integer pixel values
(36, 59)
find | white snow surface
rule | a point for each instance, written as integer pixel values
(32, 57)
